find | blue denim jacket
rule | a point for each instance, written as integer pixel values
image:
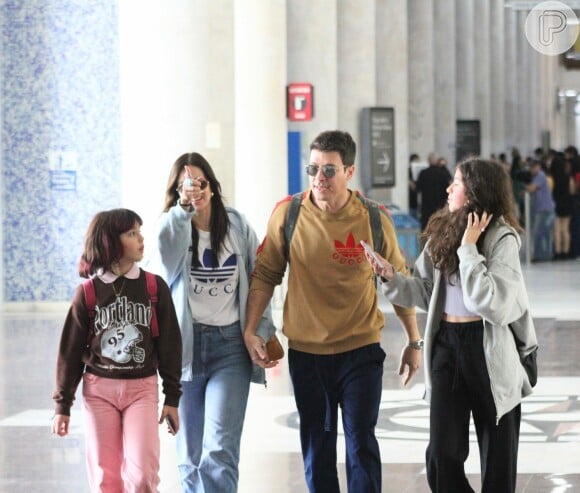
(172, 261)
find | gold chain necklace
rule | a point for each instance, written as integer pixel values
(118, 294)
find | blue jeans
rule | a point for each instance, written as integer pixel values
(543, 223)
(212, 410)
(321, 383)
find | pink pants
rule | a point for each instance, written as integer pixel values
(121, 434)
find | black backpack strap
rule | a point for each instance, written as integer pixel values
(294, 209)
(376, 225)
(291, 218)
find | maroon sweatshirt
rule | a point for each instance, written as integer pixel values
(122, 345)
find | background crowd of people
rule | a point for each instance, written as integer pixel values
(552, 180)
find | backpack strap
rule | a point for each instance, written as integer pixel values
(291, 218)
(376, 226)
(90, 302)
(152, 290)
(294, 210)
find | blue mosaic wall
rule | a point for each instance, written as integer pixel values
(60, 141)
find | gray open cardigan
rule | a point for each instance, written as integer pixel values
(493, 287)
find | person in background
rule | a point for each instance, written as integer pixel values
(331, 317)
(502, 159)
(571, 153)
(562, 193)
(480, 340)
(520, 178)
(206, 253)
(542, 212)
(413, 201)
(117, 356)
(431, 186)
(441, 161)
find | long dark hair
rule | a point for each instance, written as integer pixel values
(488, 188)
(103, 246)
(219, 222)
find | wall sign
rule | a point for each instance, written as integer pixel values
(377, 154)
(468, 139)
(300, 102)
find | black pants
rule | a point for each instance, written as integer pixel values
(461, 388)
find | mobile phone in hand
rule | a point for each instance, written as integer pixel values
(370, 251)
(170, 424)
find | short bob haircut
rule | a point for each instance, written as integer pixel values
(103, 247)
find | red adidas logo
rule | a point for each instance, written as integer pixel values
(350, 253)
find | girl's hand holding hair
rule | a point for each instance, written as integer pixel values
(475, 227)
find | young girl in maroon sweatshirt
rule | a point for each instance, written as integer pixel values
(111, 346)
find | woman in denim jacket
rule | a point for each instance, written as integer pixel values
(206, 253)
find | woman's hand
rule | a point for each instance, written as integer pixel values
(191, 189)
(380, 266)
(475, 226)
(257, 350)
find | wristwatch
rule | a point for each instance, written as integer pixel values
(416, 344)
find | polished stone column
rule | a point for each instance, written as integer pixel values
(392, 89)
(510, 80)
(356, 66)
(465, 64)
(445, 83)
(312, 47)
(260, 156)
(523, 100)
(548, 102)
(175, 95)
(497, 77)
(535, 93)
(421, 79)
(482, 74)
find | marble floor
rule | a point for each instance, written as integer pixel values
(34, 461)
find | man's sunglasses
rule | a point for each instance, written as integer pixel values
(328, 170)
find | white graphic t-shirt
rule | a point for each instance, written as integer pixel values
(213, 289)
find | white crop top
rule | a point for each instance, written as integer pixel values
(454, 298)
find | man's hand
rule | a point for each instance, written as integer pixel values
(410, 363)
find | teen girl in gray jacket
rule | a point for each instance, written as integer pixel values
(480, 341)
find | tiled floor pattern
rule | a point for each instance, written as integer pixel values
(33, 461)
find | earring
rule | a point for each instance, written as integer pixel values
(212, 194)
